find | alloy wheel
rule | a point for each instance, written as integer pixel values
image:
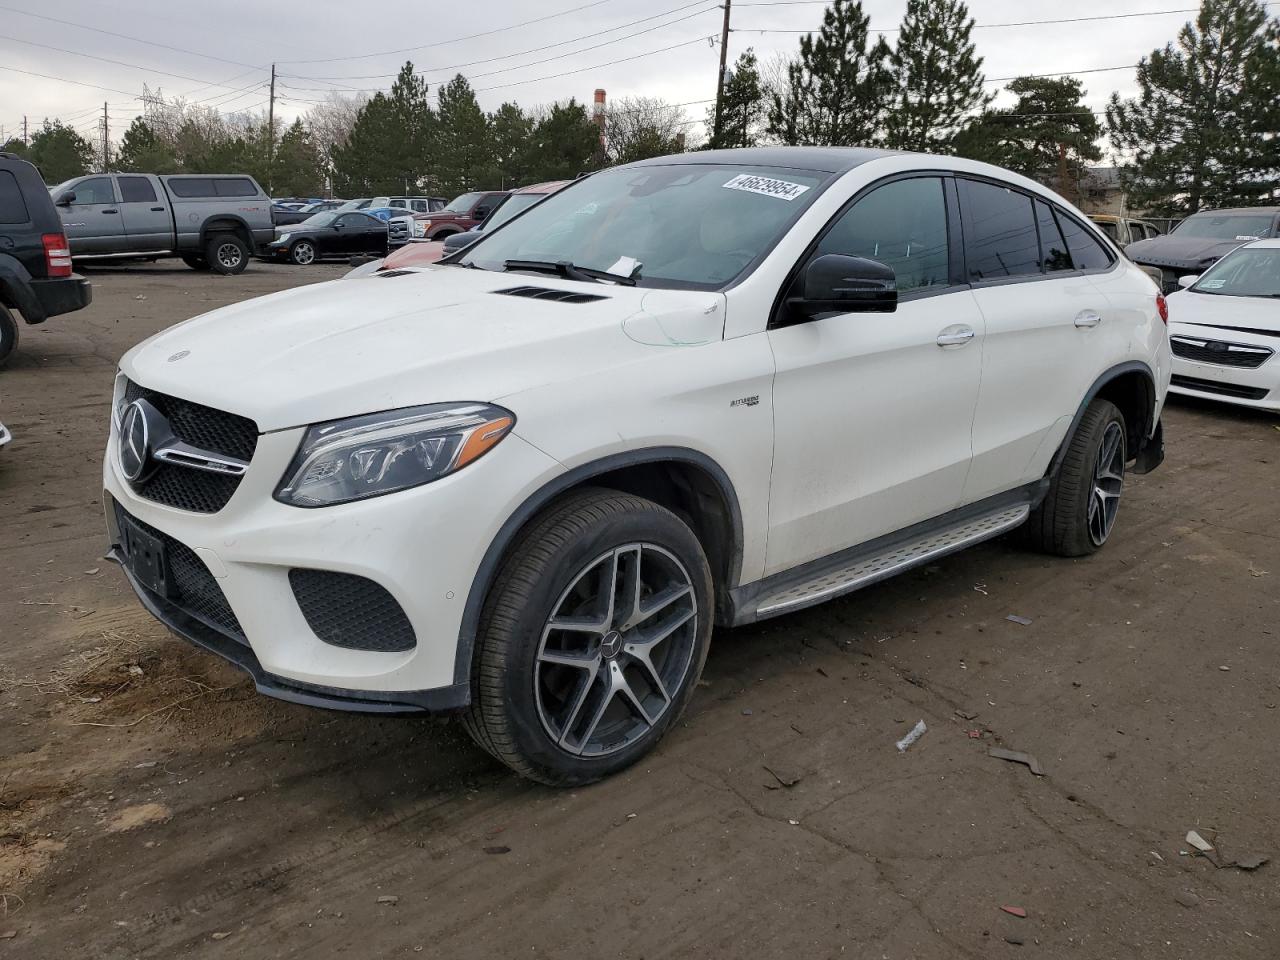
(616, 650)
(304, 253)
(1108, 480)
(229, 255)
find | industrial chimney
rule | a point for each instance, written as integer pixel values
(597, 116)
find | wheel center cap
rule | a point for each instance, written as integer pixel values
(611, 645)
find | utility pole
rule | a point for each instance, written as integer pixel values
(106, 142)
(271, 133)
(25, 141)
(724, 62)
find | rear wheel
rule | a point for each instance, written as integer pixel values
(227, 254)
(8, 335)
(591, 640)
(303, 253)
(195, 262)
(1079, 512)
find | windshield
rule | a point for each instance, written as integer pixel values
(685, 225)
(1243, 273)
(319, 219)
(1229, 227)
(464, 203)
(516, 203)
(353, 205)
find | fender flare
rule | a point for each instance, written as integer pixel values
(219, 222)
(16, 292)
(535, 502)
(1150, 433)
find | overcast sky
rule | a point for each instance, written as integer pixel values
(226, 48)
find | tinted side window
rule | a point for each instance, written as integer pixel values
(397, 203)
(136, 190)
(1087, 253)
(13, 209)
(235, 187)
(420, 206)
(902, 224)
(192, 187)
(1053, 249)
(999, 231)
(97, 190)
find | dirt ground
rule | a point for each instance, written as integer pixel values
(153, 806)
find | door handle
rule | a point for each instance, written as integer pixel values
(1088, 318)
(157, 209)
(955, 336)
(110, 211)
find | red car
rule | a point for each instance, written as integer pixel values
(461, 214)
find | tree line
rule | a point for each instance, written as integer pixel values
(1200, 133)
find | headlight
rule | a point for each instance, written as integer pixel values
(284, 236)
(367, 456)
(420, 227)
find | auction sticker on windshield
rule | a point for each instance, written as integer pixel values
(766, 186)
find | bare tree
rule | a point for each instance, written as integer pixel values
(640, 127)
(331, 122)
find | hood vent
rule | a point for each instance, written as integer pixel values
(394, 273)
(548, 293)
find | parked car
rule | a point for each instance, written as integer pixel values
(35, 262)
(1225, 329)
(332, 234)
(213, 222)
(461, 213)
(709, 388)
(414, 204)
(1123, 231)
(1203, 239)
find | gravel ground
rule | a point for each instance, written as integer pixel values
(152, 805)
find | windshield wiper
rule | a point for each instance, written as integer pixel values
(570, 271)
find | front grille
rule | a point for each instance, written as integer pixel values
(194, 589)
(350, 611)
(1220, 352)
(206, 428)
(1223, 389)
(398, 230)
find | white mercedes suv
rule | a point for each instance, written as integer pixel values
(524, 484)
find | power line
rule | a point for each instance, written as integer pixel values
(598, 66)
(441, 43)
(1063, 73)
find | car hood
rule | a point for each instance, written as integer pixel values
(1213, 310)
(427, 335)
(1184, 253)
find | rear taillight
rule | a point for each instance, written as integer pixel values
(57, 254)
(1162, 306)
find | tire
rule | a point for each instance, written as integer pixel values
(303, 253)
(531, 707)
(195, 262)
(226, 254)
(8, 335)
(1078, 514)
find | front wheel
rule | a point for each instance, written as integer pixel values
(591, 640)
(227, 254)
(303, 253)
(1079, 511)
(8, 335)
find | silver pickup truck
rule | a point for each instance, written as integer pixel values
(212, 221)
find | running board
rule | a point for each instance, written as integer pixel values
(865, 570)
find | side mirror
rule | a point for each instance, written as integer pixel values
(67, 199)
(1188, 280)
(835, 283)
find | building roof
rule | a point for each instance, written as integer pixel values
(821, 159)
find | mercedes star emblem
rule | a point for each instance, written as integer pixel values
(134, 441)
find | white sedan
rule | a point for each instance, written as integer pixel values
(1225, 329)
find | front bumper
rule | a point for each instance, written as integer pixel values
(1257, 387)
(422, 546)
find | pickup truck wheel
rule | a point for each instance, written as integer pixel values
(8, 335)
(195, 262)
(591, 639)
(303, 253)
(227, 254)
(1079, 512)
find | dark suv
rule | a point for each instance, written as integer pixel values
(35, 260)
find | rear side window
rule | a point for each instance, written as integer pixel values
(235, 187)
(901, 224)
(1087, 251)
(136, 190)
(191, 187)
(13, 208)
(1053, 248)
(420, 206)
(999, 231)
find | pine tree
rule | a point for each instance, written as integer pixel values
(565, 143)
(465, 148)
(511, 129)
(142, 151)
(370, 163)
(1202, 130)
(938, 75)
(414, 151)
(1049, 135)
(298, 167)
(742, 107)
(835, 92)
(59, 152)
